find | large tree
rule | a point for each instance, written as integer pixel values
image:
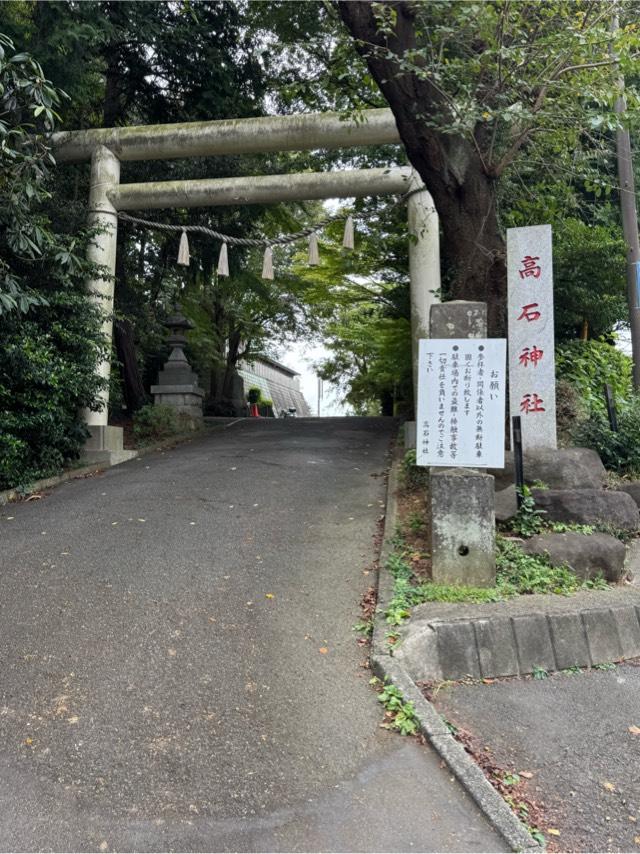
(476, 89)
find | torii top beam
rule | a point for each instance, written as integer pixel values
(229, 136)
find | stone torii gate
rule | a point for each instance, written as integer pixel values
(107, 147)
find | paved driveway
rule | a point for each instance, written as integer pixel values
(177, 665)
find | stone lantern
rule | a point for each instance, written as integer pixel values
(177, 384)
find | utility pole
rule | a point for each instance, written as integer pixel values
(629, 224)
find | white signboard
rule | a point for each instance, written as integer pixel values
(461, 402)
(532, 373)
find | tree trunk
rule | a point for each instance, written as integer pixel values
(464, 193)
(134, 393)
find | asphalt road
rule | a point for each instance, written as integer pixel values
(572, 733)
(178, 669)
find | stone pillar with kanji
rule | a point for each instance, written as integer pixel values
(532, 380)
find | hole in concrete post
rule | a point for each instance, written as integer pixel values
(463, 550)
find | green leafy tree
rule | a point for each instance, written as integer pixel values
(479, 90)
(49, 332)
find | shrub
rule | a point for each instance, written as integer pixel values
(156, 422)
(254, 395)
(620, 452)
(587, 366)
(50, 337)
(47, 375)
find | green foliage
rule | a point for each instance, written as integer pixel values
(589, 279)
(620, 452)
(527, 521)
(413, 476)
(403, 716)
(540, 673)
(153, 422)
(254, 395)
(27, 102)
(364, 628)
(415, 523)
(49, 332)
(588, 366)
(47, 374)
(517, 572)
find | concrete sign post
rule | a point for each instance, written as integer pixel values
(461, 401)
(532, 378)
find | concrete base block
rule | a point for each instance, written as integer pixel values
(409, 435)
(569, 641)
(533, 642)
(602, 634)
(457, 650)
(463, 528)
(628, 631)
(105, 445)
(112, 458)
(104, 438)
(496, 647)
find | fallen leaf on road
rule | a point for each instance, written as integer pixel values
(608, 786)
(552, 831)
(632, 818)
(35, 497)
(526, 774)
(488, 681)
(634, 730)
(73, 719)
(636, 839)
(142, 520)
(323, 650)
(28, 741)
(269, 595)
(171, 652)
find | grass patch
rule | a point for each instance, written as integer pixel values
(516, 574)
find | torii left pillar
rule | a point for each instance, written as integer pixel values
(105, 442)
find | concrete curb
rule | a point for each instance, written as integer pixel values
(430, 722)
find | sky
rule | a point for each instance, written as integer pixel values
(301, 356)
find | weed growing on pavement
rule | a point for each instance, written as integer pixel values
(608, 666)
(364, 628)
(401, 716)
(539, 673)
(415, 523)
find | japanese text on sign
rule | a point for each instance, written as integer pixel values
(531, 338)
(461, 400)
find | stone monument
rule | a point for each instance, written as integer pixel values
(469, 374)
(532, 372)
(177, 384)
